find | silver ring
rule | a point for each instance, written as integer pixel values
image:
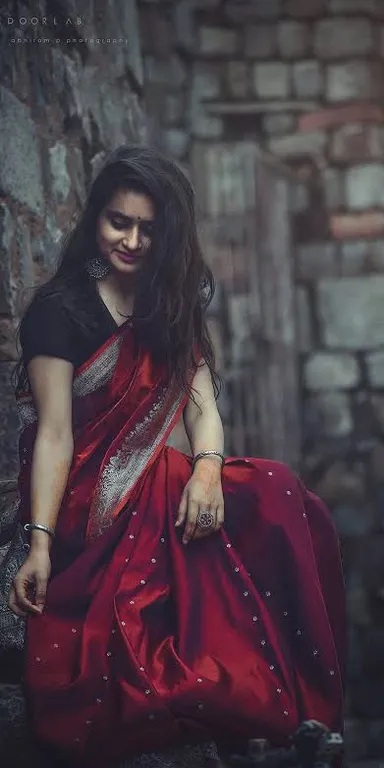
(205, 519)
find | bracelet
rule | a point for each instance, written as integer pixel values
(202, 454)
(39, 527)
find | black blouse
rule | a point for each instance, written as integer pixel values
(48, 329)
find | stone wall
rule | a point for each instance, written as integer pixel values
(64, 101)
(304, 79)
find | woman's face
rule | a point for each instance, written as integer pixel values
(124, 230)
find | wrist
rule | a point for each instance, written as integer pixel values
(40, 541)
(210, 464)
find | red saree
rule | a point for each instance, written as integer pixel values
(144, 643)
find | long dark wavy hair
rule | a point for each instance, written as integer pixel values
(174, 286)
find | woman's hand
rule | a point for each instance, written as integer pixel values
(202, 493)
(30, 584)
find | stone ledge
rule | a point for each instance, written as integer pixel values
(259, 107)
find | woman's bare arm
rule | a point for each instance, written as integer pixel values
(202, 420)
(51, 384)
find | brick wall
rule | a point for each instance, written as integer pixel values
(304, 79)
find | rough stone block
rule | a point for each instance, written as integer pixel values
(354, 80)
(375, 367)
(306, 9)
(277, 124)
(238, 78)
(365, 186)
(45, 247)
(206, 82)
(260, 41)
(174, 109)
(336, 38)
(328, 415)
(293, 39)
(8, 351)
(354, 256)
(9, 425)
(315, 260)
(304, 328)
(351, 312)
(242, 11)
(176, 142)
(299, 144)
(61, 182)
(20, 167)
(308, 79)
(206, 126)
(355, 142)
(375, 256)
(7, 287)
(357, 225)
(355, 6)
(335, 116)
(217, 41)
(324, 370)
(299, 199)
(334, 188)
(271, 80)
(26, 272)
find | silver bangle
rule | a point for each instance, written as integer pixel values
(39, 527)
(202, 455)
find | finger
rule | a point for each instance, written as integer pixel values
(219, 517)
(12, 604)
(190, 526)
(182, 511)
(22, 599)
(202, 532)
(41, 590)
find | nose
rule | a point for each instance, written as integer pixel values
(131, 239)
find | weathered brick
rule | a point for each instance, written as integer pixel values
(308, 79)
(276, 124)
(337, 37)
(353, 257)
(293, 39)
(351, 312)
(355, 6)
(375, 367)
(375, 256)
(354, 80)
(206, 126)
(215, 41)
(206, 81)
(299, 144)
(307, 9)
(334, 188)
(328, 414)
(271, 80)
(357, 225)
(260, 41)
(176, 142)
(315, 260)
(333, 116)
(238, 79)
(304, 327)
(242, 11)
(174, 109)
(355, 142)
(299, 199)
(365, 186)
(326, 370)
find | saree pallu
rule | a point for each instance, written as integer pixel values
(145, 644)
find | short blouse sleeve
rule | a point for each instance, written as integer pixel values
(46, 329)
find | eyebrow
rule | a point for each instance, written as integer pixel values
(120, 215)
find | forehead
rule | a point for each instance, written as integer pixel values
(132, 204)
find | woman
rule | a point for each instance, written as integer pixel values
(164, 626)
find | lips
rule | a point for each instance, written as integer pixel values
(125, 256)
